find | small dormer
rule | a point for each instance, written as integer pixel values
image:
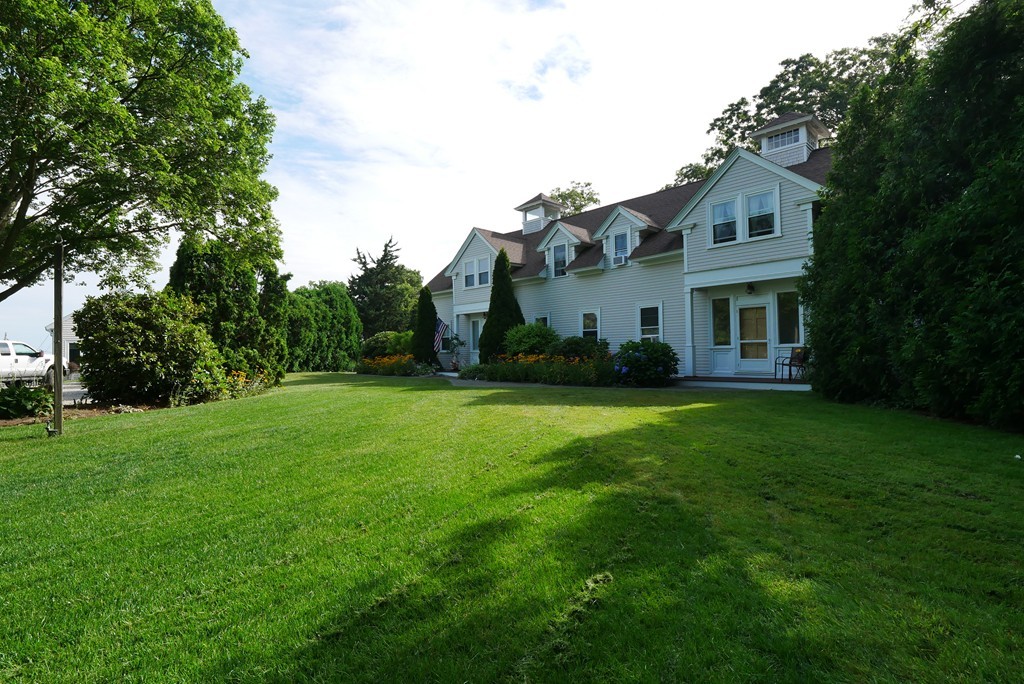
(790, 139)
(538, 212)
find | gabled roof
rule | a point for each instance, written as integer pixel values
(791, 173)
(539, 199)
(592, 257)
(636, 218)
(657, 207)
(576, 235)
(789, 120)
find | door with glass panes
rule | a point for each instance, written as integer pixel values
(753, 343)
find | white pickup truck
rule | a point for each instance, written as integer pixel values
(23, 364)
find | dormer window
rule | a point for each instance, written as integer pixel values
(784, 139)
(620, 249)
(558, 260)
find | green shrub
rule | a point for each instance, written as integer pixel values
(547, 370)
(400, 343)
(377, 345)
(579, 348)
(397, 364)
(530, 338)
(147, 348)
(18, 401)
(645, 363)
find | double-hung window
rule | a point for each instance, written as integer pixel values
(761, 214)
(621, 248)
(590, 324)
(723, 222)
(650, 323)
(558, 260)
(477, 272)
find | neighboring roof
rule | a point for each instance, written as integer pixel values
(538, 200)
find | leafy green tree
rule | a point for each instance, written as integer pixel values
(807, 84)
(147, 348)
(423, 335)
(324, 332)
(503, 313)
(914, 286)
(122, 121)
(384, 291)
(226, 286)
(577, 198)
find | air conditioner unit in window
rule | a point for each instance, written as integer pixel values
(619, 260)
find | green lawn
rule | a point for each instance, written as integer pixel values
(354, 528)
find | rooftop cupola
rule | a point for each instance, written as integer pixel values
(790, 138)
(537, 212)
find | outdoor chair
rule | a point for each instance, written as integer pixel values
(791, 366)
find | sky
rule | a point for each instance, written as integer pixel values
(421, 119)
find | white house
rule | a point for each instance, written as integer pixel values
(708, 267)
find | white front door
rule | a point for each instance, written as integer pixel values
(752, 329)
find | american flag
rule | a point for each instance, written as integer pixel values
(440, 328)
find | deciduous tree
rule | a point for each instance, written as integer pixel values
(121, 121)
(578, 197)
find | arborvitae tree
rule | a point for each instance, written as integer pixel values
(914, 289)
(274, 299)
(503, 312)
(423, 335)
(224, 285)
(384, 291)
(324, 309)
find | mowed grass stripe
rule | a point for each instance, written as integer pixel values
(353, 528)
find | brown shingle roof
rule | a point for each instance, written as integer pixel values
(817, 166)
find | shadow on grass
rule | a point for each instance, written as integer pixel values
(593, 565)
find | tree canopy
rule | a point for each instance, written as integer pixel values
(384, 291)
(577, 198)
(122, 121)
(914, 288)
(823, 87)
(324, 332)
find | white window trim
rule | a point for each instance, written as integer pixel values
(661, 319)
(800, 319)
(799, 139)
(711, 222)
(741, 218)
(711, 323)
(625, 258)
(567, 259)
(546, 315)
(472, 267)
(597, 312)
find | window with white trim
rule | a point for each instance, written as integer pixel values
(620, 249)
(477, 272)
(774, 142)
(558, 260)
(543, 319)
(649, 319)
(788, 309)
(761, 214)
(590, 324)
(721, 322)
(723, 222)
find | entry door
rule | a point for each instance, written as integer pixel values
(753, 339)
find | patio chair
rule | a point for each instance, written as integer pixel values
(790, 367)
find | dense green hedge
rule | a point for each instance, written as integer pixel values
(18, 401)
(915, 291)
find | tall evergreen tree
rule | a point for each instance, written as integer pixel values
(384, 291)
(503, 312)
(423, 335)
(324, 329)
(914, 289)
(225, 286)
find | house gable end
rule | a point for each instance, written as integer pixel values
(453, 267)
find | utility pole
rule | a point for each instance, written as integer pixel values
(58, 338)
